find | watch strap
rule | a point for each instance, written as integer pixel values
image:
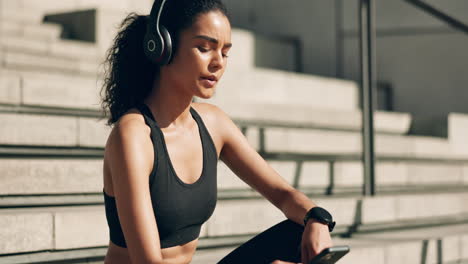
(321, 215)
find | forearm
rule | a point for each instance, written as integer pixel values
(295, 206)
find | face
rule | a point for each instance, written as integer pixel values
(201, 58)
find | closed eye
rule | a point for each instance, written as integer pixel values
(202, 49)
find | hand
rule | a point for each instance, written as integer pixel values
(315, 238)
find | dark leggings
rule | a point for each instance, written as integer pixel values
(281, 241)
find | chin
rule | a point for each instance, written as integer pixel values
(206, 93)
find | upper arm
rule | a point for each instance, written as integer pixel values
(246, 162)
(130, 166)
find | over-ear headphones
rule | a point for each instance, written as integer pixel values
(157, 43)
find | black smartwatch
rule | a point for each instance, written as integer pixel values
(321, 215)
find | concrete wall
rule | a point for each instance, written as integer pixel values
(424, 60)
(314, 22)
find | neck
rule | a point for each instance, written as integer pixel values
(170, 105)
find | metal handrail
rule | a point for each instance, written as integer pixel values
(439, 14)
(368, 78)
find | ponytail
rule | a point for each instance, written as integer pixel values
(129, 75)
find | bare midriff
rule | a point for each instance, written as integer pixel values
(181, 254)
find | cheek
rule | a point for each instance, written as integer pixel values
(189, 58)
(201, 59)
(188, 64)
(182, 63)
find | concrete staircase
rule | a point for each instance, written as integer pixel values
(307, 127)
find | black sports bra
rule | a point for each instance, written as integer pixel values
(180, 208)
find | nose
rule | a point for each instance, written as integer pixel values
(217, 62)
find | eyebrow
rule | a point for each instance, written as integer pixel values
(210, 39)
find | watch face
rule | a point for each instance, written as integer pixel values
(321, 214)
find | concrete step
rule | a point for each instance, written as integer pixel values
(309, 141)
(52, 6)
(245, 216)
(22, 15)
(39, 176)
(48, 228)
(446, 244)
(110, 14)
(270, 140)
(41, 7)
(38, 31)
(15, 60)
(76, 256)
(268, 86)
(65, 90)
(10, 88)
(58, 48)
(49, 90)
(52, 130)
(50, 176)
(318, 174)
(33, 229)
(457, 131)
(291, 115)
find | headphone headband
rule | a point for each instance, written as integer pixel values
(155, 16)
(157, 44)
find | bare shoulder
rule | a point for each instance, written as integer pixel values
(214, 116)
(130, 137)
(130, 125)
(219, 122)
(211, 112)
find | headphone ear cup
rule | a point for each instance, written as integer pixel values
(152, 46)
(167, 52)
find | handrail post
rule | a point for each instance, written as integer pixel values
(368, 80)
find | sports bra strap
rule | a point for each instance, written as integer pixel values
(147, 112)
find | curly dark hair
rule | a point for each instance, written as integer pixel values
(129, 75)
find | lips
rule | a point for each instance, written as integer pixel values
(210, 77)
(209, 81)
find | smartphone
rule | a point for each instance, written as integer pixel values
(330, 255)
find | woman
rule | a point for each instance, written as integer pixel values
(162, 138)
